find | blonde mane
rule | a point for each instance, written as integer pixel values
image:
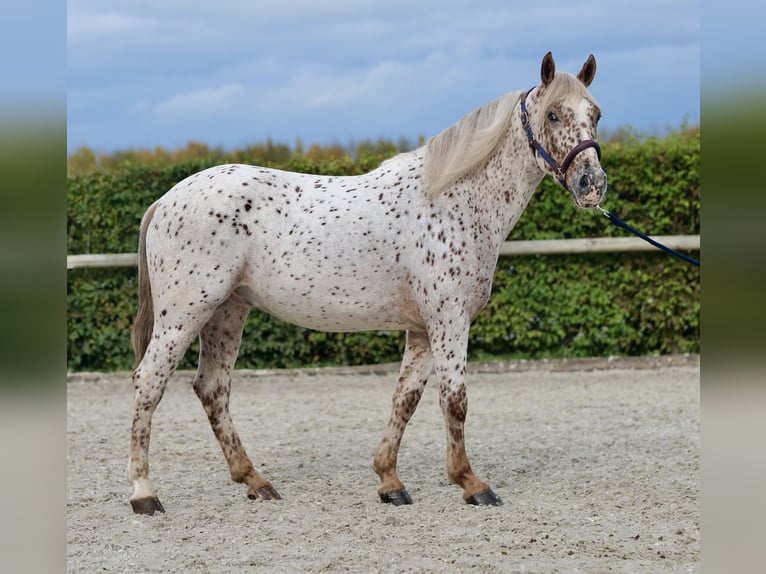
(462, 147)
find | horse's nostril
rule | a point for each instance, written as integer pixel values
(585, 181)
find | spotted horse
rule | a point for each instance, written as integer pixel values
(411, 245)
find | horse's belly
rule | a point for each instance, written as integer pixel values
(334, 310)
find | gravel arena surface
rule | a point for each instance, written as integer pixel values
(597, 461)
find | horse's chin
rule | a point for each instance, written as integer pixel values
(586, 203)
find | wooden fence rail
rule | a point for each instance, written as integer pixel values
(538, 247)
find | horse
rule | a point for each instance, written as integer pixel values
(411, 245)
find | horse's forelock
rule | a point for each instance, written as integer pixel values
(565, 86)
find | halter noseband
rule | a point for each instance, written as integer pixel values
(560, 171)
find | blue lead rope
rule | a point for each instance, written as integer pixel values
(620, 223)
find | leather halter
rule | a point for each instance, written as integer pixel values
(560, 171)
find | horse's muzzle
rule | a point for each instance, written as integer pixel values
(588, 186)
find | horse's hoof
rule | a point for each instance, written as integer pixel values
(265, 493)
(148, 505)
(396, 497)
(485, 498)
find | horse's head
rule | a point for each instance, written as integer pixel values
(563, 116)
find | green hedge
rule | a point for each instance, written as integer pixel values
(541, 306)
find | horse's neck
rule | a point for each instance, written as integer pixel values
(505, 185)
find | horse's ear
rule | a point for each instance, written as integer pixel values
(548, 69)
(588, 71)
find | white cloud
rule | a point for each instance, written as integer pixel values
(205, 101)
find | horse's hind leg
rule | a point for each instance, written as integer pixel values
(150, 378)
(220, 339)
(416, 367)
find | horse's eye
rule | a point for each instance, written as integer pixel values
(553, 117)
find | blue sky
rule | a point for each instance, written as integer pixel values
(165, 72)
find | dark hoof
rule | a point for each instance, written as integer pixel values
(265, 493)
(485, 498)
(396, 497)
(147, 505)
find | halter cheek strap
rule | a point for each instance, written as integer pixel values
(559, 171)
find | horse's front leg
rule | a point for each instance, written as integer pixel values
(416, 366)
(450, 349)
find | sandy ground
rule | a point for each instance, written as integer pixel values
(597, 462)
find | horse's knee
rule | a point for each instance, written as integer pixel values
(405, 404)
(454, 403)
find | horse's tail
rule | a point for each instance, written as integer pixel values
(141, 332)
